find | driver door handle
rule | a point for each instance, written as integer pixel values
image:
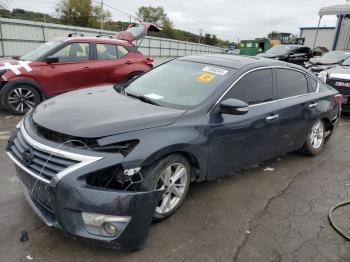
(272, 118)
(128, 62)
(313, 105)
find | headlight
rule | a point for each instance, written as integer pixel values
(323, 76)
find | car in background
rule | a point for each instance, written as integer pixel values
(339, 78)
(102, 163)
(295, 54)
(68, 64)
(326, 61)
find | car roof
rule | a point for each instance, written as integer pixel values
(95, 40)
(237, 61)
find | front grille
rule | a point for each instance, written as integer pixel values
(42, 163)
(342, 89)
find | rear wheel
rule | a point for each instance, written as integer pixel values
(19, 99)
(171, 174)
(314, 142)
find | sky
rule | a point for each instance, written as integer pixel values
(228, 19)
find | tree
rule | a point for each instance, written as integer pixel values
(155, 15)
(76, 12)
(207, 39)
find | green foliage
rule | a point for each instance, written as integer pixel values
(83, 13)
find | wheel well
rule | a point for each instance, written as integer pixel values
(327, 124)
(34, 86)
(195, 168)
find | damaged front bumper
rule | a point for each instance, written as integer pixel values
(107, 217)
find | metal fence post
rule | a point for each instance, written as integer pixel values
(44, 37)
(2, 41)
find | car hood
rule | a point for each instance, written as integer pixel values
(17, 67)
(341, 72)
(99, 112)
(323, 61)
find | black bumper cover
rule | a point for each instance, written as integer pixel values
(69, 203)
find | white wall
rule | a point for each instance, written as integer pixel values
(17, 37)
(325, 37)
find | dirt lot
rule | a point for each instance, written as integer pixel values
(254, 215)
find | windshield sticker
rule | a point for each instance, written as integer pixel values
(15, 68)
(215, 70)
(154, 96)
(205, 78)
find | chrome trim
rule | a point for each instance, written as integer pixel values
(83, 159)
(266, 67)
(19, 164)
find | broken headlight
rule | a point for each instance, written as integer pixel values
(123, 148)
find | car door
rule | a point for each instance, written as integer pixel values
(113, 64)
(73, 70)
(240, 140)
(298, 56)
(297, 108)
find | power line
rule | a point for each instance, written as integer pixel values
(119, 10)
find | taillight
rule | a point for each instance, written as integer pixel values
(338, 99)
(149, 60)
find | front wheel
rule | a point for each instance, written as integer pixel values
(314, 142)
(171, 174)
(19, 99)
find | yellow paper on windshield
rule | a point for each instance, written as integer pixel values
(205, 78)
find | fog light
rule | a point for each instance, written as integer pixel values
(110, 228)
(104, 225)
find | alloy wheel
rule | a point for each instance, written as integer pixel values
(21, 99)
(317, 135)
(174, 181)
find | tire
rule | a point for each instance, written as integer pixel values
(160, 175)
(19, 99)
(315, 139)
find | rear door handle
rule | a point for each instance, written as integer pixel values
(272, 118)
(87, 68)
(128, 62)
(313, 105)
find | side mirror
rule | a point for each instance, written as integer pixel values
(292, 53)
(234, 107)
(51, 60)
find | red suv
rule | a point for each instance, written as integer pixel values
(68, 64)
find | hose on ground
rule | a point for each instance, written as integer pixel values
(331, 221)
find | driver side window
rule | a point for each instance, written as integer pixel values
(254, 88)
(74, 52)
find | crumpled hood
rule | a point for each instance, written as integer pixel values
(100, 111)
(323, 61)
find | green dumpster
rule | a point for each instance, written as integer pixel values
(254, 47)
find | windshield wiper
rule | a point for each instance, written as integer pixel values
(142, 98)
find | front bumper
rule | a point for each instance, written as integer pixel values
(59, 203)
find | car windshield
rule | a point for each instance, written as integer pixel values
(278, 50)
(338, 55)
(40, 51)
(179, 84)
(346, 62)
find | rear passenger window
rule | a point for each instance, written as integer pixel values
(256, 87)
(106, 52)
(290, 83)
(313, 84)
(110, 52)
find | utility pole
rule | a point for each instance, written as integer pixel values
(101, 18)
(200, 35)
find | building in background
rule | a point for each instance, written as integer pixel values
(325, 36)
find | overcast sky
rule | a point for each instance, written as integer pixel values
(228, 19)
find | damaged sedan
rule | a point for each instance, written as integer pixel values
(102, 163)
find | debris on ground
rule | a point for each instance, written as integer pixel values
(24, 236)
(29, 257)
(269, 169)
(248, 231)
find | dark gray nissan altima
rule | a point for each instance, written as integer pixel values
(102, 163)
